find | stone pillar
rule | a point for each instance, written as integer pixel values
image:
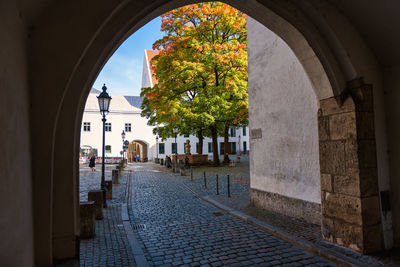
(109, 189)
(97, 197)
(119, 169)
(349, 180)
(87, 219)
(115, 177)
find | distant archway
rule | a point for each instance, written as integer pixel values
(138, 150)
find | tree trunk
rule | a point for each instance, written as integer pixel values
(201, 139)
(214, 135)
(226, 144)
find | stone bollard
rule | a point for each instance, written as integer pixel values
(97, 197)
(156, 160)
(182, 170)
(109, 189)
(118, 167)
(115, 177)
(87, 218)
(161, 161)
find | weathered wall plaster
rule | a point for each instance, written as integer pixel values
(284, 106)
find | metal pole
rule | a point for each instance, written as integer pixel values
(123, 150)
(176, 155)
(229, 187)
(217, 186)
(205, 180)
(103, 179)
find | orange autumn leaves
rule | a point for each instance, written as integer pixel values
(201, 68)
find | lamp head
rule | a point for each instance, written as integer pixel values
(104, 101)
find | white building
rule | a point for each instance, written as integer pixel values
(125, 116)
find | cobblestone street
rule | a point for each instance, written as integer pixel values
(173, 225)
(177, 228)
(110, 247)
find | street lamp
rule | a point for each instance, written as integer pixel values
(157, 146)
(104, 105)
(175, 131)
(123, 145)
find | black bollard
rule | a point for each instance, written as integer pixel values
(229, 187)
(205, 180)
(217, 186)
(191, 173)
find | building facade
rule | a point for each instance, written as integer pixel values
(125, 116)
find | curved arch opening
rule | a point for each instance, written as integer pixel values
(316, 57)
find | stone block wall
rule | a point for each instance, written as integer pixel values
(308, 211)
(349, 182)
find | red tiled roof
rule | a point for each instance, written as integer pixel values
(150, 54)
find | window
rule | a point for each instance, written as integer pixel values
(244, 147)
(174, 148)
(128, 127)
(244, 131)
(108, 149)
(161, 148)
(233, 147)
(233, 132)
(210, 147)
(108, 126)
(86, 126)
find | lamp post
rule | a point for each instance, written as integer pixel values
(104, 104)
(157, 146)
(125, 149)
(175, 131)
(123, 145)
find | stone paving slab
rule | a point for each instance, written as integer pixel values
(182, 230)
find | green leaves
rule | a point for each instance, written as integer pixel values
(201, 70)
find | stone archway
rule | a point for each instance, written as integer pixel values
(100, 31)
(138, 148)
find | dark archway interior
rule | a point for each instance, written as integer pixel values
(53, 52)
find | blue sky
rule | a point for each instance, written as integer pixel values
(122, 73)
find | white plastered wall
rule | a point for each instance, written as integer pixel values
(284, 106)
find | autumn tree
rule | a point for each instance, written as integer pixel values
(201, 71)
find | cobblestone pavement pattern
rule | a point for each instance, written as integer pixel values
(182, 230)
(240, 201)
(110, 247)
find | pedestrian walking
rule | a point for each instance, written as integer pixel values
(92, 163)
